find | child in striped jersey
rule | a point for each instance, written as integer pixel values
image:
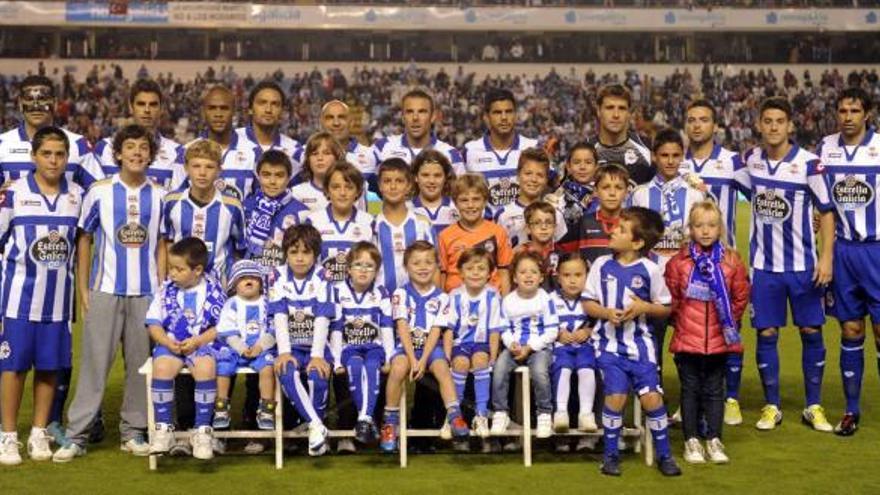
(321, 152)
(245, 341)
(362, 339)
(475, 321)
(397, 226)
(340, 224)
(528, 340)
(302, 310)
(182, 321)
(418, 309)
(433, 178)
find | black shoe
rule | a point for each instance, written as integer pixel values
(363, 432)
(610, 466)
(96, 434)
(668, 466)
(848, 425)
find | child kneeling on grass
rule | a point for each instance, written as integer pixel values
(710, 291)
(182, 321)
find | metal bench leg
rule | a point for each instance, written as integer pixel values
(637, 421)
(151, 418)
(403, 440)
(279, 427)
(527, 416)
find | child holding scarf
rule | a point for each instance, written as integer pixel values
(710, 291)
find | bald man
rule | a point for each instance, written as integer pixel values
(336, 119)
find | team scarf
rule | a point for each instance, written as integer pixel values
(175, 321)
(670, 208)
(576, 191)
(706, 283)
(259, 225)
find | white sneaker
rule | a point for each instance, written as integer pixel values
(254, 447)
(163, 439)
(715, 450)
(693, 452)
(345, 446)
(500, 422)
(182, 448)
(587, 422)
(446, 431)
(201, 441)
(9, 451)
(545, 426)
(38, 445)
(771, 416)
(67, 452)
(317, 439)
(480, 426)
(136, 447)
(560, 422)
(587, 443)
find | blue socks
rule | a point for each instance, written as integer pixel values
(658, 423)
(162, 392)
(392, 416)
(318, 387)
(852, 369)
(813, 364)
(206, 394)
(733, 375)
(460, 380)
(297, 394)
(612, 423)
(371, 368)
(767, 356)
(482, 387)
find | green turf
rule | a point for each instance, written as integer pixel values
(792, 459)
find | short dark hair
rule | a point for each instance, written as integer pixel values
(776, 103)
(580, 146)
(614, 91)
(433, 156)
(144, 86)
(534, 155)
(31, 81)
(647, 226)
(856, 93)
(134, 131)
(495, 95)
(667, 136)
(193, 250)
(703, 103)
(349, 172)
(266, 85)
(476, 252)
(304, 234)
(275, 157)
(364, 247)
(50, 133)
(539, 206)
(613, 170)
(396, 165)
(417, 93)
(418, 247)
(569, 257)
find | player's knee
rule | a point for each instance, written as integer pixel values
(461, 364)
(480, 360)
(615, 402)
(768, 332)
(809, 330)
(651, 401)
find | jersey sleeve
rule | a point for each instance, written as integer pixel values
(498, 322)
(593, 287)
(457, 161)
(743, 180)
(277, 299)
(166, 225)
(505, 252)
(399, 311)
(818, 185)
(89, 170)
(90, 218)
(154, 312)
(226, 325)
(659, 291)
(444, 255)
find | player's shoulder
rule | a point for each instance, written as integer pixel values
(11, 135)
(289, 144)
(228, 200)
(475, 145)
(601, 261)
(752, 154)
(101, 184)
(175, 196)
(828, 142)
(363, 217)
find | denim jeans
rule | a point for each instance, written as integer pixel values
(539, 369)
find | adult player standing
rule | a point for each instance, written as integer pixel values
(615, 143)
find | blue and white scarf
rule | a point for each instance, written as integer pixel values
(580, 193)
(707, 283)
(176, 322)
(259, 225)
(670, 209)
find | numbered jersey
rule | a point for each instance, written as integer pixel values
(422, 312)
(853, 173)
(498, 167)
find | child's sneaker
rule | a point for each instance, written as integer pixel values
(771, 416)
(693, 452)
(560, 422)
(363, 431)
(201, 443)
(545, 426)
(480, 425)
(345, 446)
(610, 466)
(317, 439)
(255, 447)
(732, 413)
(9, 450)
(446, 431)
(182, 448)
(562, 446)
(221, 414)
(67, 452)
(388, 438)
(715, 449)
(815, 417)
(587, 422)
(668, 466)
(459, 426)
(266, 415)
(500, 422)
(586, 443)
(136, 446)
(38, 445)
(163, 439)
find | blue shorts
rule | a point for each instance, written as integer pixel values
(855, 290)
(228, 361)
(188, 361)
(621, 375)
(574, 358)
(469, 349)
(303, 356)
(31, 344)
(436, 354)
(367, 352)
(773, 292)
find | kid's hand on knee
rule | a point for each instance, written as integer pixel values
(282, 362)
(386, 368)
(320, 365)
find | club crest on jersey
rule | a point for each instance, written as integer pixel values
(227, 189)
(252, 327)
(637, 282)
(52, 250)
(851, 193)
(503, 192)
(132, 235)
(432, 306)
(630, 157)
(873, 153)
(771, 208)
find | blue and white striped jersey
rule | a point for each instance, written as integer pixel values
(363, 318)
(717, 172)
(220, 224)
(167, 166)
(238, 177)
(422, 312)
(337, 237)
(315, 199)
(392, 240)
(473, 318)
(200, 312)
(512, 217)
(673, 200)
(571, 314)
(613, 285)
(303, 301)
(247, 320)
(441, 217)
(783, 195)
(16, 162)
(531, 321)
(361, 156)
(126, 223)
(397, 146)
(853, 173)
(498, 167)
(38, 239)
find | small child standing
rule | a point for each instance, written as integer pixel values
(710, 291)
(246, 341)
(433, 176)
(182, 321)
(528, 340)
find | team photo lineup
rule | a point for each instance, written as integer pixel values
(341, 272)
